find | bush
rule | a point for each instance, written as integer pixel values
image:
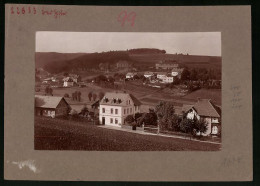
(66, 95)
(129, 119)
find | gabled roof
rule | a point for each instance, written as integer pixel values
(130, 74)
(113, 97)
(148, 73)
(48, 101)
(204, 107)
(162, 73)
(68, 79)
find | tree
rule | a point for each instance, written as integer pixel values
(78, 95)
(90, 96)
(147, 119)
(84, 110)
(50, 91)
(94, 96)
(176, 81)
(194, 75)
(101, 95)
(185, 74)
(136, 77)
(186, 125)
(129, 119)
(200, 126)
(66, 74)
(166, 116)
(66, 95)
(47, 90)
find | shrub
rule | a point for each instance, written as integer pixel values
(66, 95)
(129, 119)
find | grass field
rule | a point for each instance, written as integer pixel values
(58, 134)
(213, 94)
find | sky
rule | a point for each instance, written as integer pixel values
(194, 43)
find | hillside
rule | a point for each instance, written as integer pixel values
(87, 61)
(143, 57)
(187, 60)
(44, 58)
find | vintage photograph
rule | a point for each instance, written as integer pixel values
(128, 91)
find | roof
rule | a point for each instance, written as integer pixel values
(204, 107)
(69, 79)
(162, 73)
(130, 73)
(148, 73)
(177, 69)
(48, 101)
(113, 97)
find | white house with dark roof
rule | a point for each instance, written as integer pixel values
(51, 106)
(206, 110)
(161, 75)
(148, 74)
(115, 107)
(68, 82)
(130, 75)
(168, 79)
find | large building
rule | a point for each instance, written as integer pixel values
(166, 65)
(115, 107)
(51, 106)
(68, 82)
(161, 75)
(123, 65)
(206, 110)
(168, 79)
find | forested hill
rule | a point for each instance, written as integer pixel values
(87, 61)
(60, 62)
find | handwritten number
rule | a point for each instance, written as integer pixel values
(18, 11)
(34, 10)
(131, 18)
(23, 10)
(12, 10)
(123, 17)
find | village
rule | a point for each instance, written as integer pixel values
(124, 97)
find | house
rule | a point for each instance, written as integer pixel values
(148, 74)
(161, 75)
(167, 64)
(115, 107)
(47, 80)
(51, 106)
(76, 78)
(130, 75)
(167, 79)
(68, 82)
(206, 110)
(177, 72)
(123, 65)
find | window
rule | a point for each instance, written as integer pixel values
(112, 110)
(124, 111)
(103, 110)
(116, 121)
(111, 120)
(116, 111)
(127, 110)
(130, 110)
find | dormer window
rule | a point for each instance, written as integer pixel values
(105, 99)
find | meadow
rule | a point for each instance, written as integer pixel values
(60, 134)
